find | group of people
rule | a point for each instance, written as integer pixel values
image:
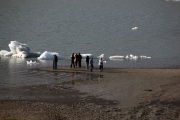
(76, 60)
(91, 63)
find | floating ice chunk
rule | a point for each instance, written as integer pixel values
(116, 57)
(127, 56)
(131, 56)
(135, 28)
(144, 57)
(19, 50)
(101, 56)
(135, 57)
(49, 55)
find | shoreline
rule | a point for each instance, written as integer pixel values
(114, 93)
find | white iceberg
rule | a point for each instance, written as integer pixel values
(48, 55)
(19, 50)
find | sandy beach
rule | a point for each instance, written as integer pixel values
(113, 94)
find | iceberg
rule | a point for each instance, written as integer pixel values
(48, 55)
(18, 50)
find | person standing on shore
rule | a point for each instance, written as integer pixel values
(87, 62)
(55, 60)
(100, 64)
(72, 61)
(79, 57)
(75, 60)
(91, 63)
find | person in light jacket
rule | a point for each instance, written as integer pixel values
(100, 64)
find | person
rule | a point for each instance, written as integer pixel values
(91, 63)
(87, 62)
(100, 64)
(79, 57)
(75, 60)
(72, 60)
(55, 60)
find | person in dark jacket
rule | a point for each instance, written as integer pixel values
(87, 62)
(72, 61)
(79, 57)
(55, 60)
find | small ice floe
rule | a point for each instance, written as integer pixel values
(144, 57)
(116, 57)
(135, 28)
(127, 57)
(134, 57)
(85, 55)
(49, 56)
(31, 62)
(101, 56)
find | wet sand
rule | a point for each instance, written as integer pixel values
(115, 94)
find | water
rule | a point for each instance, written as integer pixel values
(90, 26)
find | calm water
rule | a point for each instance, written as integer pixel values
(89, 26)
